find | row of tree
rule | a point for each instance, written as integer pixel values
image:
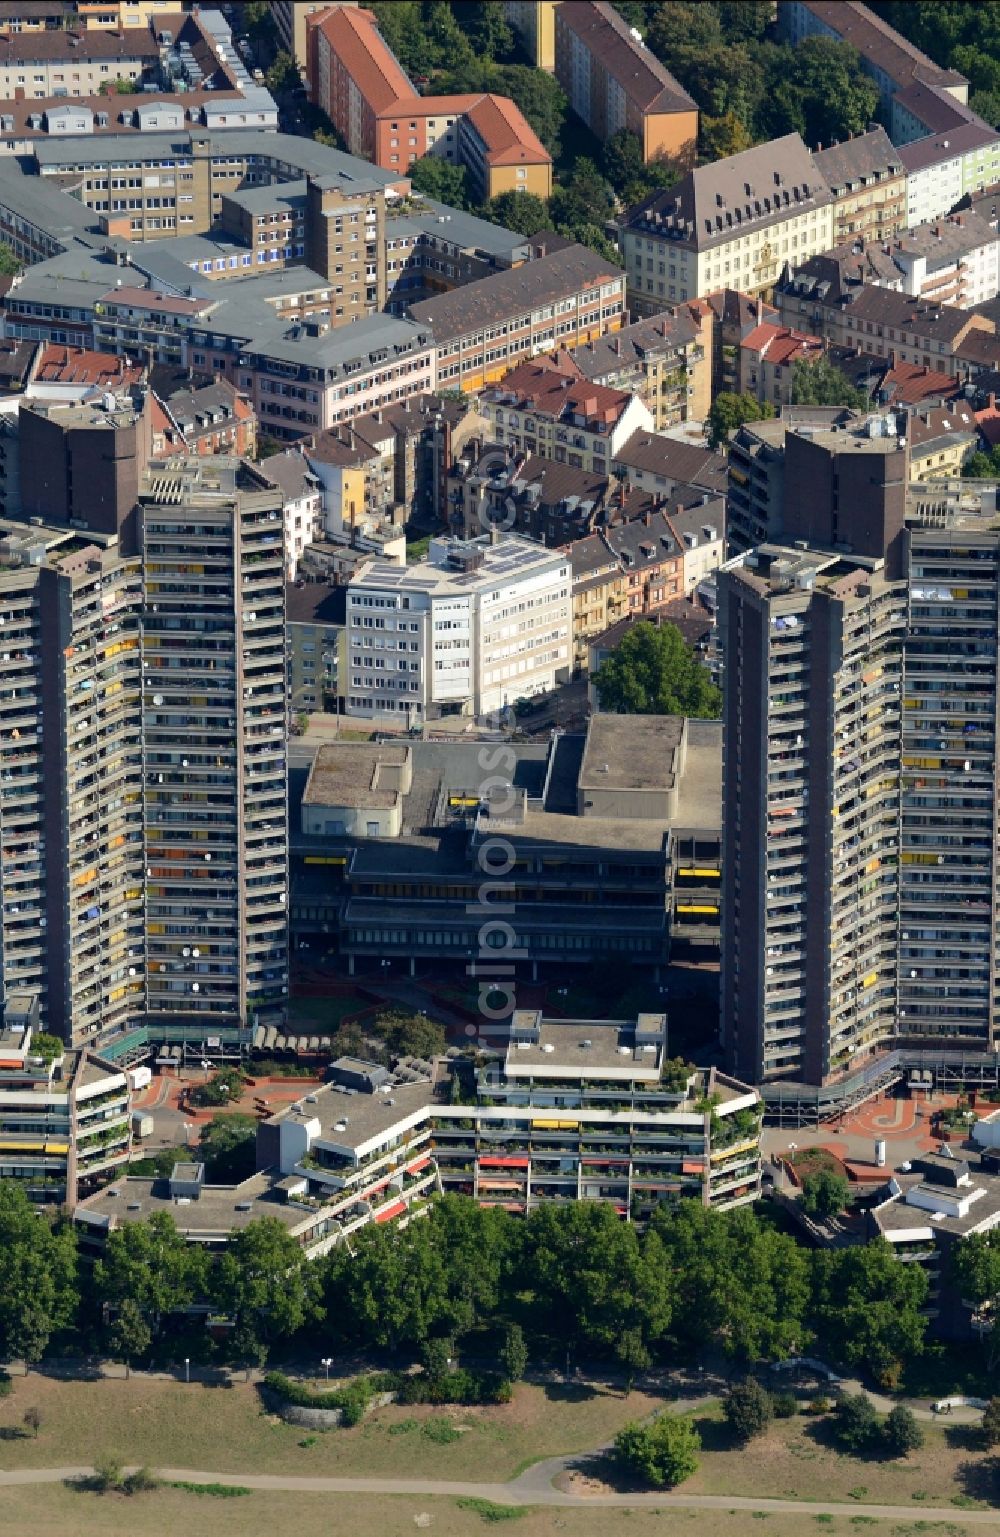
(573, 1277)
(748, 86)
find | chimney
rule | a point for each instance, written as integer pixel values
(892, 357)
(648, 519)
(618, 346)
(760, 309)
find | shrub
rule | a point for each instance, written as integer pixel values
(991, 1422)
(440, 1431)
(664, 1452)
(785, 1405)
(820, 1404)
(6, 1385)
(107, 1475)
(140, 1482)
(489, 1510)
(857, 1422)
(748, 1411)
(214, 1491)
(901, 1432)
(352, 1400)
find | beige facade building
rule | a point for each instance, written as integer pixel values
(732, 224)
(867, 178)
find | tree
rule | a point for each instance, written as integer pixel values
(819, 90)
(586, 198)
(228, 1147)
(438, 178)
(653, 672)
(130, 1334)
(593, 1279)
(622, 160)
(825, 1194)
(283, 75)
(247, 1346)
(976, 1273)
(867, 1306)
(223, 1088)
(901, 1432)
(723, 136)
(437, 1357)
(822, 383)
(522, 212)
(856, 1423)
(748, 1410)
(991, 1423)
(486, 27)
(729, 411)
(632, 1355)
(151, 1264)
(10, 266)
(410, 1035)
(32, 1421)
(745, 1287)
(983, 466)
(264, 1278)
(513, 1353)
(39, 1290)
(663, 1453)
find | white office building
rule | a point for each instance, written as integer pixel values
(477, 625)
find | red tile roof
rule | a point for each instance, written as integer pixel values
(554, 391)
(506, 132)
(780, 345)
(354, 37)
(907, 384)
(76, 365)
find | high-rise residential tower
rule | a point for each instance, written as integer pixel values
(860, 842)
(142, 767)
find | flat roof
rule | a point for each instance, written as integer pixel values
(355, 774)
(349, 1120)
(216, 1209)
(587, 1047)
(631, 752)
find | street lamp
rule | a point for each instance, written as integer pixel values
(207, 1066)
(187, 1368)
(326, 1363)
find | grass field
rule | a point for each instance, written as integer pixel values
(176, 1425)
(797, 1460)
(54, 1511)
(164, 1424)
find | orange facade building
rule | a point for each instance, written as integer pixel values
(356, 79)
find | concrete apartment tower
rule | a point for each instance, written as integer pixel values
(859, 776)
(142, 758)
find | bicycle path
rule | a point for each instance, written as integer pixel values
(523, 1491)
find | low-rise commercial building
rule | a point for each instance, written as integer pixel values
(301, 501)
(877, 320)
(768, 356)
(614, 82)
(534, 21)
(356, 79)
(591, 823)
(926, 1214)
(892, 61)
(315, 632)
